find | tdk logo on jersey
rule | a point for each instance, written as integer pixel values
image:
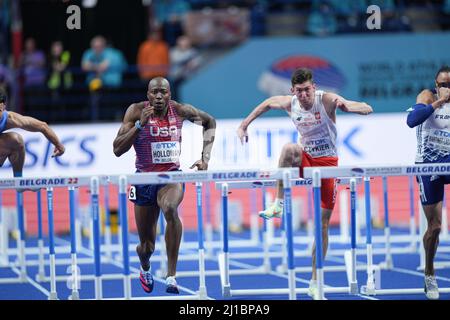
(168, 145)
(277, 80)
(163, 131)
(441, 133)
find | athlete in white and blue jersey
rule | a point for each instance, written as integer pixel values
(431, 117)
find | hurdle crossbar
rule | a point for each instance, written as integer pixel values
(318, 173)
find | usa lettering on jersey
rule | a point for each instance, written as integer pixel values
(163, 131)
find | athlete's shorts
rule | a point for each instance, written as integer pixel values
(328, 186)
(431, 188)
(146, 195)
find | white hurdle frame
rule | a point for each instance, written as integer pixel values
(136, 179)
(318, 173)
(198, 177)
(292, 291)
(265, 267)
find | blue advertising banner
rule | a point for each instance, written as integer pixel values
(385, 70)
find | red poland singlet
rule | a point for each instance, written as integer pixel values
(158, 145)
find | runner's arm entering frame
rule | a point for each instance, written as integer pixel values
(16, 120)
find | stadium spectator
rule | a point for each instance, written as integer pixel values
(423, 15)
(5, 40)
(32, 64)
(170, 14)
(153, 57)
(184, 60)
(446, 14)
(59, 60)
(6, 78)
(104, 66)
(322, 20)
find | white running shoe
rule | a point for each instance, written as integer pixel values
(273, 211)
(171, 285)
(313, 291)
(431, 287)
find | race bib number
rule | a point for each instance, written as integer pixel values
(165, 152)
(132, 193)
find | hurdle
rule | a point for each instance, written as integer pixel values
(317, 173)
(49, 183)
(21, 249)
(5, 251)
(14, 183)
(160, 255)
(224, 257)
(209, 244)
(440, 249)
(282, 268)
(179, 177)
(4, 259)
(387, 238)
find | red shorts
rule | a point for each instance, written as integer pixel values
(328, 190)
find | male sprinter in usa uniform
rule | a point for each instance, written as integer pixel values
(431, 115)
(313, 113)
(154, 127)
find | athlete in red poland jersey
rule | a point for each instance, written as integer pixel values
(313, 113)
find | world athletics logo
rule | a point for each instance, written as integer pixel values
(277, 80)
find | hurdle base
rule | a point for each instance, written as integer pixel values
(4, 262)
(414, 248)
(202, 293)
(74, 296)
(267, 268)
(226, 291)
(40, 277)
(23, 277)
(368, 290)
(353, 288)
(282, 268)
(53, 296)
(388, 264)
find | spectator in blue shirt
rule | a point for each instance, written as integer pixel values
(170, 14)
(322, 20)
(104, 66)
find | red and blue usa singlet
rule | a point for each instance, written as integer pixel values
(158, 145)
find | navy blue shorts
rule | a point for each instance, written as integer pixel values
(146, 194)
(431, 188)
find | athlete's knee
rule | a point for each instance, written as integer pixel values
(16, 141)
(170, 212)
(434, 229)
(290, 152)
